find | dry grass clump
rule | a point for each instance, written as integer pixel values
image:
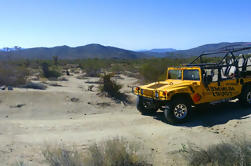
(60, 156)
(20, 163)
(12, 75)
(234, 153)
(115, 152)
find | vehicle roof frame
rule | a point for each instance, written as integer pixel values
(228, 52)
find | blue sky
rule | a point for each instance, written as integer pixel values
(129, 24)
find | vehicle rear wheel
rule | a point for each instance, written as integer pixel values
(246, 96)
(145, 107)
(177, 111)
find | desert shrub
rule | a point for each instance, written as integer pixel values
(117, 68)
(12, 75)
(234, 153)
(55, 60)
(60, 156)
(115, 152)
(152, 72)
(32, 85)
(155, 69)
(26, 63)
(93, 67)
(50, 71)
(92, 72)
(111, 87)
(20, 163)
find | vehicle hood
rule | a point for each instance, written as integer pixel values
(168, 85)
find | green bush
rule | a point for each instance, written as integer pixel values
(12, 75)
(155, 69)
(115, 152)
(50, 72)
(153, 72)
(110, 86)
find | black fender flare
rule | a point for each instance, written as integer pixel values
(185, 96)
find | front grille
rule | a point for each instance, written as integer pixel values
(148, 92)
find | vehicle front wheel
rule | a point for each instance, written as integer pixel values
(246, 96)
(177, 111)
(145, 107)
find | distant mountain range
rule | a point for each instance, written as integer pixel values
(159, 50)
(212, 47)
(65, 52)
(108, 52)
(198, 50)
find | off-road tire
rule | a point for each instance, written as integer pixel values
(245, 98)
(144, 110)
(172, 109)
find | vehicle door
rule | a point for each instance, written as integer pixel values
(220, 88)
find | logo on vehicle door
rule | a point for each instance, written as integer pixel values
(221, 91)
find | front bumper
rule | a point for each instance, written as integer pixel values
(156, 95)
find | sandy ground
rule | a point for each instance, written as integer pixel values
(71, 115)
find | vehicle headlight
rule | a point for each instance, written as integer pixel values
(142, 92)
(156, 94)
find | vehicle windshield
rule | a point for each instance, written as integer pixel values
(191, 75)
(174, 74)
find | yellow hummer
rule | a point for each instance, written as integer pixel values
(197, 84)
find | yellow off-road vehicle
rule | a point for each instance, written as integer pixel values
(197, 84)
